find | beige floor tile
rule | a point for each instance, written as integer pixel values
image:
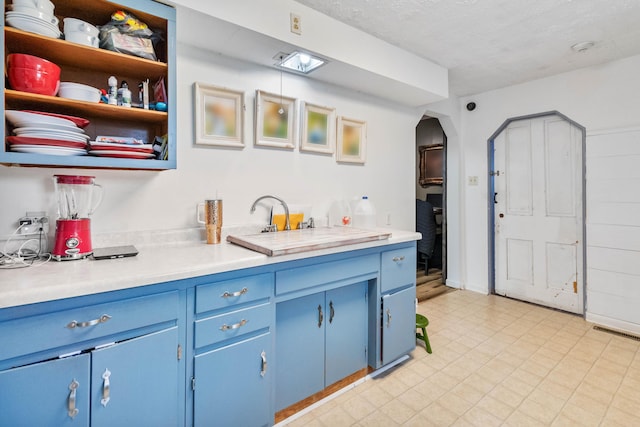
(552, 388)
(336, 417)
(578, 414)
(455, 403)
(506, 396)
(480, 417)
(495, 407)
(438, 415)
(621, 417)
(358, 407)
(595, 392)
(376, 419)
(398, 411)
(588, 403)
(480, 383)
(538, 411)
(564, 421)
(520, 419)
(415, 400)
(377, 396)
(430, 390)
(393, 386)
(623, 403)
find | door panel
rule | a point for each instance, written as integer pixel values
(398, 328)
(299, 349)
(143, 382)
(38, 395)
(346, 332)
(231, 389)
(538, 214)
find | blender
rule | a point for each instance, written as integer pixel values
(77, 199)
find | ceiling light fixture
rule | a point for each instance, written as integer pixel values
(582, 46)
(299, 62)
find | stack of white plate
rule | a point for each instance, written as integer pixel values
(44, 133)
(33, 20)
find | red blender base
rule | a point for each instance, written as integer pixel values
(73, 239)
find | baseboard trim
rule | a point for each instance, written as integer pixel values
(620, 325)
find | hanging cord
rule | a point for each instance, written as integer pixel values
(24, 257)
(281, 110)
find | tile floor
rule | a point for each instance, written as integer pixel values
(498, 362)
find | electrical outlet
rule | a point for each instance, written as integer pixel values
(473, 180)
(33, 223)
(296, 24)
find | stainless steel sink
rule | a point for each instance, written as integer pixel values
(309, 239)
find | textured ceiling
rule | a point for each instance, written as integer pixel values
(488, 44)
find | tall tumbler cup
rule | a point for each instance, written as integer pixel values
(212, 219)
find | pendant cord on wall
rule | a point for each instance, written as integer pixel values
(281, 110)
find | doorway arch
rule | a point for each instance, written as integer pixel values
(531, 167)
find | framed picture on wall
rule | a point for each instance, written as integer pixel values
(317, 125)
(275, 118)
(219, 116)
(352, 141)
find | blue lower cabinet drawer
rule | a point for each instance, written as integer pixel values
(397, 268)
(228, 293)
(75, 326)
(230, 325)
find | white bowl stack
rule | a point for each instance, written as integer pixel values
(79, 92)
(81, 32)
(34, 16)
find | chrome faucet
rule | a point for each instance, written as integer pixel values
(287, 224)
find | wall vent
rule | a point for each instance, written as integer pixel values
(618, 333)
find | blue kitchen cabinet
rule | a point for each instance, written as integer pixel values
(398, 295)
(112, 363)
(54, 393)
(232, 379)
(233, 384)
(320, 339)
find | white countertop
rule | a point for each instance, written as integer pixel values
(154, 264)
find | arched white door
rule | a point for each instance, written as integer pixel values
(538, 212)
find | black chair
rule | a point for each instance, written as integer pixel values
(426, 225)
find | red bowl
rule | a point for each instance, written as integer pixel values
(34, 81)
(22, 60)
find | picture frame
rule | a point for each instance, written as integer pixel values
(317, 128)
(272, 128)
(219, 116)
(352, 140)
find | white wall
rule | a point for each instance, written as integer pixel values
(143, 200)
(601, 97)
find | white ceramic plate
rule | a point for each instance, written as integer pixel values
(121, 154)
(55, 151)
(50, 126)
(31, 130)
(17, 117)
(33, 25)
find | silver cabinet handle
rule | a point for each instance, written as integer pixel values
(105, 388)
(76, 324)
(388, 318)
(228, 294)
(226, 327)
(397, 258)
(263, 356)
(320, 316)
(72, 411)
(332, 312)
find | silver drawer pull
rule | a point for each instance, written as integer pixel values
(106, 386)
(226, 327)
(388, 318)
(76, 324)
(72, 411)
(228, 294)
(397, 258)
(263, 356)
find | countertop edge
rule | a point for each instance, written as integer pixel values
(154, 264)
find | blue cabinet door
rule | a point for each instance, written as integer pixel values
(43, 394)
(299, 349)
(346, 332)
(398, 324)
(140, 379)
(233, 385)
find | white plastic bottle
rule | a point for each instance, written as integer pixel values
(364, 214)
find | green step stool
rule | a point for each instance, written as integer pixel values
(421, 323)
